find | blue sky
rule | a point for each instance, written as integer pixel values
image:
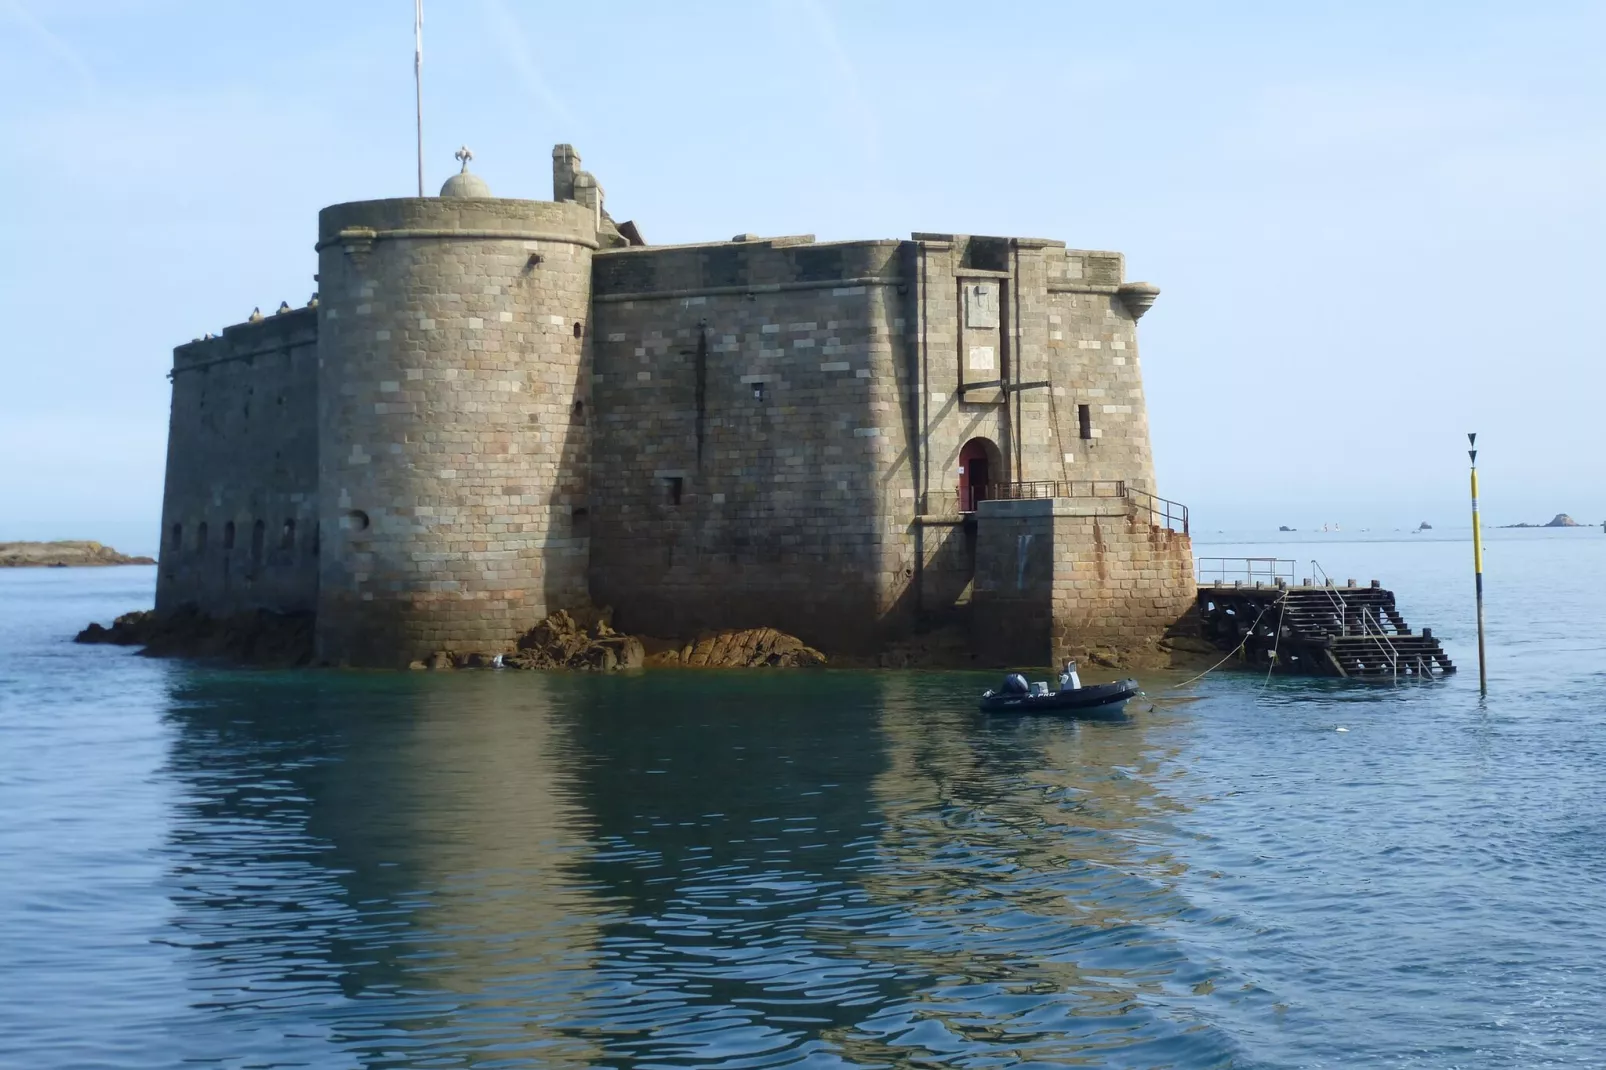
(1376, 226)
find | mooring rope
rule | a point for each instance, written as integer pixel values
(1283, 602)
(1230, 653)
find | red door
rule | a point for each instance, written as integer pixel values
(973, 475)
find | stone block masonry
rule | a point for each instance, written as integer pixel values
(747, 416)
(1063, 577)
(501, 408)
(452, 428)
(240, 502)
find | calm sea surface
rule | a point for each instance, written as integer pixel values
(274, 869)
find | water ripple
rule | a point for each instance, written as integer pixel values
(507, 870)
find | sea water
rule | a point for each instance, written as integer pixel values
(504, 869)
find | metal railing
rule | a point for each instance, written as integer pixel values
(1249, 570)
(1162, 513)
(1369, 629)
(1385, 644)
(970, 497)
(1057, 488)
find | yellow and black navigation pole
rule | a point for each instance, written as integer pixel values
(1477, 559)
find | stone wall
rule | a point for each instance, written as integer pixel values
(1065, 337)
(239, 506)
(1008, 337)
(1093, 353)
(780, 423)
(454, 420)
(1063, 577)
(749, 425)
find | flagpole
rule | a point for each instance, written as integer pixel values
(418, 84)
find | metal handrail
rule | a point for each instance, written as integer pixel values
(1058, 488)
(970, 497)
(1380, 638)
(1167, 512)
(1162, 512)
(1254, 569)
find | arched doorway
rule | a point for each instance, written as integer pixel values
(980, 464)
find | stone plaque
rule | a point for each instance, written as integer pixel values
(981, 304)
(981, 360)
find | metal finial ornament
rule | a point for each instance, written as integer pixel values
(465, 155)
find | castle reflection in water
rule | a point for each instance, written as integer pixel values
(676, 870)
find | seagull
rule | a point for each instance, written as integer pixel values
(284, 306)
(256, 315)
(312, 302)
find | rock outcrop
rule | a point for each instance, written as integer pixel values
(563, 642)
(64, 554)
(745, 648)
(274, 640)
(583, 639)
(1560, 520)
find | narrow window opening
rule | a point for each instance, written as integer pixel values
(579, 410)
(673, 486)
(228, 535)
(356, 520)
(177, 542)
(259, 532)
(200, 537)
(578, 330)
(580, 522)
(317, 539)
(287, 537)
(1084, 419)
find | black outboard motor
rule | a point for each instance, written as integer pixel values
(1015, 684)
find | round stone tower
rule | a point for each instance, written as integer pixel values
(453, 374)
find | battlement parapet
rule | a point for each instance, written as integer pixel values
(747, 266)
(1086, 271)
(358, 224)
(243, 341)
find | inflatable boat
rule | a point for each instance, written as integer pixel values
(1016, 696)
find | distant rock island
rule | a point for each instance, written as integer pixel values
(63, 554)
(1560, 520)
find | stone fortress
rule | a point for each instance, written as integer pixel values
(493, 409)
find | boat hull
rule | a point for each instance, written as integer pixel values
(1094, 700)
